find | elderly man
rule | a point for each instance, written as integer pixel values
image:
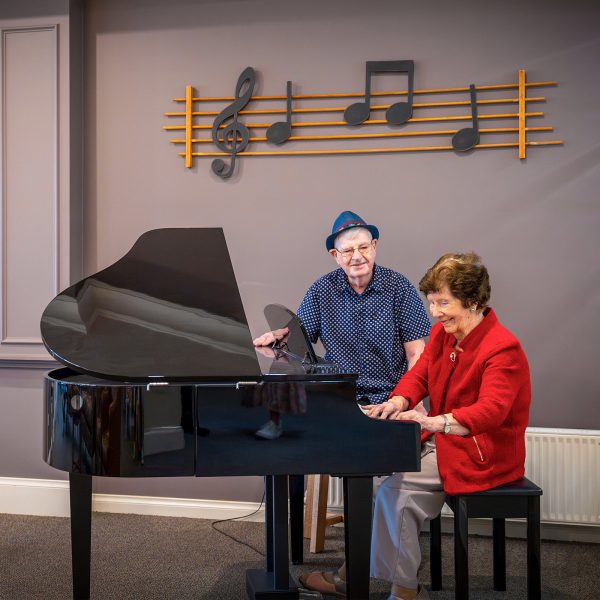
(370, 319)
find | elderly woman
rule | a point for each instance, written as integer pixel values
(477, 378)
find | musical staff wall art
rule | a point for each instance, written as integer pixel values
(245, 125)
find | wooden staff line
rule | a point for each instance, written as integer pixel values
(328, 109)
(370, 150)
(370, 122)
(480, 88)
(356, 136)
(188, 126)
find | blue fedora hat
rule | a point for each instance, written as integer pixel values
(348, 220)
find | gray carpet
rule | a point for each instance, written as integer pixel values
(162, 558)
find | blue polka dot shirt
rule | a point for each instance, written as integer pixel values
(365, 333)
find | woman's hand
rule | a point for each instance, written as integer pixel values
(433, 424)
(387, 410)
(421, 408)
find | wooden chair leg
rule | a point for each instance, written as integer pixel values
(315, 519)
(461, 549)
(435, 552)
(310, 488)
(534, 573)
(499, 550)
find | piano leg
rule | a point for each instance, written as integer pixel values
(275, 581)
(269, 542)
(358, 508)
(80, 491)
(296, 489)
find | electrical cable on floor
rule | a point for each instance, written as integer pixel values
(237, 519)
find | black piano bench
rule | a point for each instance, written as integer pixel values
(512, 500)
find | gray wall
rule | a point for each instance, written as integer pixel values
(534, 222)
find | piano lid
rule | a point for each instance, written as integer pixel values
(170, 308)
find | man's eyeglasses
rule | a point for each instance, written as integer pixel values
(348, 253)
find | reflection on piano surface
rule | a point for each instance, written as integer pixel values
(162, 380)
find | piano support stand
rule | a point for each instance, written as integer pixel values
(269, 524)
(296, 489)
(275, 581)
(80, 493)
(358, 507)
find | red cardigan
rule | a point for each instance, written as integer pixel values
(488, 390)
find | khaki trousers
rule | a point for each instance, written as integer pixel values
(404, 501)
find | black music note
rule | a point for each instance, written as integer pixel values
(397, 113)
(468, 137)
(229, 143)
(279, 132)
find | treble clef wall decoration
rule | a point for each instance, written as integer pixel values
(229, 142)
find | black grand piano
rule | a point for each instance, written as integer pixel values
(161, 380)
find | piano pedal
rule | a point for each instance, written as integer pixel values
(309, 594)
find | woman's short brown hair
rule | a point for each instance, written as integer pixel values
(465, 276)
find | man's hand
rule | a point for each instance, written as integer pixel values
(266, 351)
(387, 410)
(266, 339)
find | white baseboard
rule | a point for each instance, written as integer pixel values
(41, 497)
(178, 507)
(50, 498)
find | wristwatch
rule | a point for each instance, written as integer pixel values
(447, 425)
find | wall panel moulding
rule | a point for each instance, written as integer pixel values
(40, 173)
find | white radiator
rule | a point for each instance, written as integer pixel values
(565, 463)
